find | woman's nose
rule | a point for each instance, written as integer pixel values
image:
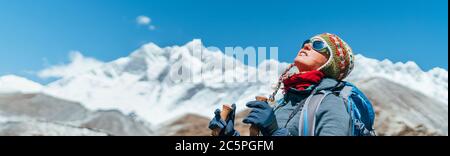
(307, 46)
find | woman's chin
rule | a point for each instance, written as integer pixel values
(302, 67)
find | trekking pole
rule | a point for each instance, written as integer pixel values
(254, 130)
(226, 109)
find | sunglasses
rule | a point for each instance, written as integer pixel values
(317, 45)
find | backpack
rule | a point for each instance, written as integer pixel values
(362, 115)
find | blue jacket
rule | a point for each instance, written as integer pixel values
(332, 118)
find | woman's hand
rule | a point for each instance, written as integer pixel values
(262, 116)
(226, 127)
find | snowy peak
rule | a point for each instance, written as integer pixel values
(142, 83)
(433, 83)
(152, 52)
(13, 84)
(156, 63)
(439, 74)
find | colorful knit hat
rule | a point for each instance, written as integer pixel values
(340, 61)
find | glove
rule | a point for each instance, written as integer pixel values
(227, 127)
(262, 116)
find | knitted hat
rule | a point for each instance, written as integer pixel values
(340, 61)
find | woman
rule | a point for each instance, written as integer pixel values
(323, 61)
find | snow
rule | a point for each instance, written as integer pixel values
(433, 83)
(142, 84)
(13, 83)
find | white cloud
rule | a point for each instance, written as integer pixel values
(78, 64)
(143, 20)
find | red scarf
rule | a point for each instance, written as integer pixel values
(302, 81)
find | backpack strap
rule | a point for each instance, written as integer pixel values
(345, 94)
(307, 121)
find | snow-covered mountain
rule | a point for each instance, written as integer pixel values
(142, 83)
(403, 111)
(145, 83)
(12, 84)
(433, 83)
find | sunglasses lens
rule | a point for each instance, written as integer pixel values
(307, 41)
(318, 45)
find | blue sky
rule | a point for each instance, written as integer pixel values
(36, 34)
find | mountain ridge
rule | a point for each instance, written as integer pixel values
(140, 83)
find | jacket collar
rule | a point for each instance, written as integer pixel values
(293, 95)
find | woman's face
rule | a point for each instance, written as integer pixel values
(308, 59)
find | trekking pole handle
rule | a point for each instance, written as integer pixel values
(226, 109)
(254, 130)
